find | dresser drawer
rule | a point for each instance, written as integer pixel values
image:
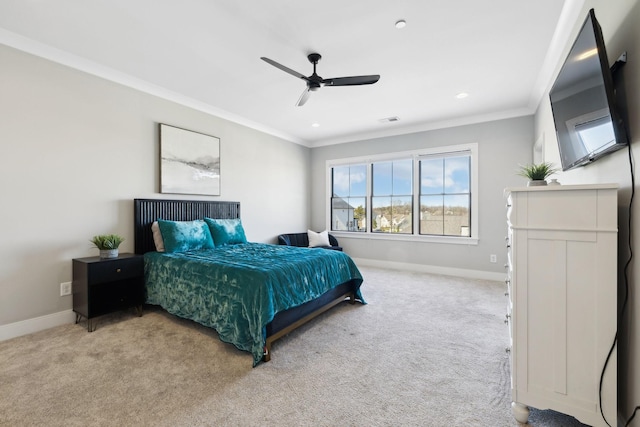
(509, 208)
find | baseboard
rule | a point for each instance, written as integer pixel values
(36, 324)
(433, 269)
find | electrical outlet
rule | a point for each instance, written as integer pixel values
(493, 258)
(65, 288)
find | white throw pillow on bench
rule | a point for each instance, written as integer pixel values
(318, 239)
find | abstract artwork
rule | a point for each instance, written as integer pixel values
(189, 162)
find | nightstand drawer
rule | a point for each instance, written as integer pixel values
(113, 270)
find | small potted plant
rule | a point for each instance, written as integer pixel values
(537, 173)
(108, 244)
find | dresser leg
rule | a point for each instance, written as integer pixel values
(520, 412)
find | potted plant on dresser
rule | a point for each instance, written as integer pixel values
(537, 173)
(108, 244)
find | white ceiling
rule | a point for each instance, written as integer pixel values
(206, 54)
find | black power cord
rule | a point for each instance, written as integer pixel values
(604, 368)
(633, 415)
(626, 266)
(626, 290)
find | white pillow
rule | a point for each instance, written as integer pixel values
(157, 236)
(318, 239)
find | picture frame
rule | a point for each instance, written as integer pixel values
(189, 162)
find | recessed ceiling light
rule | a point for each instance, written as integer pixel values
(462, 95)
(389, 119)
(315, 125)
(401, 24)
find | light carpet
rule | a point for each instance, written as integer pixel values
(427, 350)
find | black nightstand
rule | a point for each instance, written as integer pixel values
(104, 285)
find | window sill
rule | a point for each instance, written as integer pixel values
(406, 238)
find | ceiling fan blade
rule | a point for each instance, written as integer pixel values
(304, 97)
(285, 69)
(351, 81)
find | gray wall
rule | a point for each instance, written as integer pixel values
(77, 149)
(620, 22)
(502, 145)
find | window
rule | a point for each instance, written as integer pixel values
(392, 196)
(445, 197)
(348, 201)
(426, 195)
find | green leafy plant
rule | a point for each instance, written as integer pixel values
(107, 241)
(537, 172)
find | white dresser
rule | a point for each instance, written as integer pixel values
(562, 299)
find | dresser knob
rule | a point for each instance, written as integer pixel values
(118, 270)
(508, 349)
(506, 294)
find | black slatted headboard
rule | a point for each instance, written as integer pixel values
(148, 210)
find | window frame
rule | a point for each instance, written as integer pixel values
(416, 155)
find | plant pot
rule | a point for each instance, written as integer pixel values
(536, 182)
(108, 253)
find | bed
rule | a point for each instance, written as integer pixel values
(251, 293)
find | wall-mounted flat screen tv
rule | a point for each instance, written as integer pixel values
(587, 120)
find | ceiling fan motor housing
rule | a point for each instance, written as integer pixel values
(315, 82)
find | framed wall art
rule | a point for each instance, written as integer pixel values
(189, 162)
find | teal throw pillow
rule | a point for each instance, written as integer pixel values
(226, 231)
(181, 236)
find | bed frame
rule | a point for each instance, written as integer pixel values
(148, 210)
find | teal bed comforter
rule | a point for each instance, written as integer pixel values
(238, 289)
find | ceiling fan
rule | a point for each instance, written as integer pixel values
(315, 82)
